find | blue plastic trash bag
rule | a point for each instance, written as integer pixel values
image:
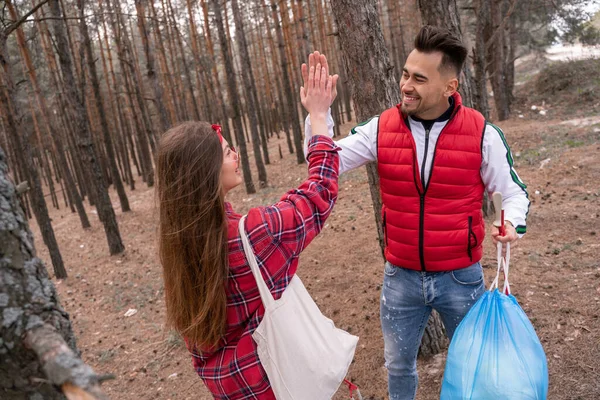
(495, 352)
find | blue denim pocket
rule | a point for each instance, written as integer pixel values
(472, 275)
(390, 270)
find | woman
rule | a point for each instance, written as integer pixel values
(211, 295)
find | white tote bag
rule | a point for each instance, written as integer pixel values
(305, 356)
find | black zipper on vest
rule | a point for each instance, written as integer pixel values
(425, 187)
(422, 203)
(425, 159)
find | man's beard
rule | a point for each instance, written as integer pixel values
(408, 112)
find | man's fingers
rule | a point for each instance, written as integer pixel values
(311, 79)
(334, 80)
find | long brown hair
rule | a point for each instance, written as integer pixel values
(193, 232)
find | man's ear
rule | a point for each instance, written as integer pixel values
(451, 87)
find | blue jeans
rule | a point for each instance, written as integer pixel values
(407, 298)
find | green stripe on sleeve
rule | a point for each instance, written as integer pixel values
(353, 130)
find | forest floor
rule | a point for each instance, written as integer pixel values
(555, 274)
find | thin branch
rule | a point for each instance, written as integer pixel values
(8, 30)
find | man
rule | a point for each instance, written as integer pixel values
(435, 158)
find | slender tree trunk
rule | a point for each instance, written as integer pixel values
(495, 56)
(479, 59)
(512, 41)
(444, 13)
(84, 138)
(368, 65)
(117, 103)
(251, 90)
(164, 67)
(108, 142)
(21, 138)
(186, 69)
(117, 126)
(133, 87)
(211, 52)
(55, 137)
(290, 99)
(233, 97)
(275, 65)
(159, 103)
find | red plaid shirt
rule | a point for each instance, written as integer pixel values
(278, 234)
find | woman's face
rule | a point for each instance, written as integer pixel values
(231, 176)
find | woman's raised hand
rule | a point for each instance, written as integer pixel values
(317, 93)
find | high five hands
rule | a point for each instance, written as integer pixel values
(314, 60)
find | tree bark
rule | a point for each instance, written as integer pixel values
(233, 97)
(495, 56)
(251, 100)
(84, 136)
(186, 69)
(291, 113)
(374, 88)
(21, 139)
(444, 13)
(38, 343)
(213, 66)
(55, 137)
(133, 88)
(159, 102)
(108, 142)
(479, 60)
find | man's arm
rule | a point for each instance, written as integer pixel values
(357, 149)
(499, 175)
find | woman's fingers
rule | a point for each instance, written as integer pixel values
(323, 81)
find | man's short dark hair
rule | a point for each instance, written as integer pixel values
(432, 38)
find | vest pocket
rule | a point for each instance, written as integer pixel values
(472, 239)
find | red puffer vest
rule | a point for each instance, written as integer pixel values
(439, 227)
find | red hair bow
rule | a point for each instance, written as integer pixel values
(217, 128)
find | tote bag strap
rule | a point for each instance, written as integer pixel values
(265, 293)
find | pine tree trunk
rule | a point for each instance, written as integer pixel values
(444, 13)
(140, 6)
(186, 69)
(21, 139)
(211, 51)
(38, 340)
(495, 56)
(108, 142)
(84, 136)
(282, 123)
(233, 97)
(55, 137)
(291, 112)
(479, 59)
(164, 67)
(133, 87)
(117, 124)
(251, 90)
(368, 66)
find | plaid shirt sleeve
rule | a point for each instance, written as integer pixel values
(294, 221)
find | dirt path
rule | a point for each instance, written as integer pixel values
(556, 274)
